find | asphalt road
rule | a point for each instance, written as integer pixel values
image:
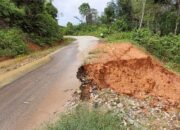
(36, 97)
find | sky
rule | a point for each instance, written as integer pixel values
(67, 9)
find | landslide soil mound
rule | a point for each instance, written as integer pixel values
(128, 70)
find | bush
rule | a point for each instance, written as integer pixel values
(141, 36)
(11, 43)
(167, 22)
(120, 25)
(85, 119)
(51, 10)
(45, 30)
(166, 48)
(120, 36)
(85, 29)
(69, 29)
(11, 14)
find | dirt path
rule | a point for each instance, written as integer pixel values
(37, 96)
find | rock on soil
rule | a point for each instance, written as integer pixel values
(128, 70)
(131, 111)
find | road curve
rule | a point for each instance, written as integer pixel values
(35, 97)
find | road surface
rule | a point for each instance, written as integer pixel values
(36, 97)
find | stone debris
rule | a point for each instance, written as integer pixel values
(134, 112)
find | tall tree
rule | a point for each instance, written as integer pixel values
(94, 13)
(178, 16)
(85, 10)
(125, 8)
(142, 13)
(51, 10)
(110, 13)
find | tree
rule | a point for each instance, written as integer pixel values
(125, 8)
(168, 17)
(178, 16)
(85, 10)
(109, 13)
(94, 14)
(142, 13)
(51, 10)
(10, 14)
(69, 30)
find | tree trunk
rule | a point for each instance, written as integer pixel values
(143, 10)
(176, 27)
(178, 13)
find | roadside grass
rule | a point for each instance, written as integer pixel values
(173, 67)
(84, 118)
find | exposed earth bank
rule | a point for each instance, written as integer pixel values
(128, 70)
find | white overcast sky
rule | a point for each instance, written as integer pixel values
(67, 9)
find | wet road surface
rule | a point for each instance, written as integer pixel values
(37, 96)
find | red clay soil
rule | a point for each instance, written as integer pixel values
(128, 70)
(4, 58)
(33, 46)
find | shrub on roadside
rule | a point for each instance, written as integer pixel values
(85, 119)
(141, 36)
(84, 29)
(166, 48)
(120, 25)
(11, 43)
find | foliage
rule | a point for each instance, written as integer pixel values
(47, 29)
(120, 25)
(166, 48)
(36, 18)
(141, 36)
(9, 13)
(167, 22)
(89, 13)
(69, 29)
(40, 22)
(91, 29)
(12, 43)
(109, 13)
(125, 9)
(51, 10)
(84, 119)
(84, 9)
(159, 16)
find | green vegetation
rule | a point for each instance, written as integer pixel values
(152, 24)
(83, 118)
(12, 43)
(22, 21)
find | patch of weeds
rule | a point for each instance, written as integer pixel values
(84, 118)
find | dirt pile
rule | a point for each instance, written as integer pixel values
(128, 70)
